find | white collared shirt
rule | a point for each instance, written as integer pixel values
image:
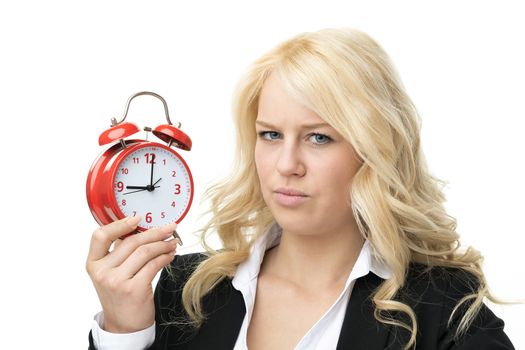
(324, 334)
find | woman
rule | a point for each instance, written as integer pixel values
(334, 233)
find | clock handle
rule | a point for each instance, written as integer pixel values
(114, 120)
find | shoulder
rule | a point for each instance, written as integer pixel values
(449, 282)
(433, 292)
(437, 289)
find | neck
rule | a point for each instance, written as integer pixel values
(314, 261)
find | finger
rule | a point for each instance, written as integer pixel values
(117, 242)
(104, 236)
(152, 267)
(143, 255)
(130, 244)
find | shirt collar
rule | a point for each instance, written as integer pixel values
(249, 269)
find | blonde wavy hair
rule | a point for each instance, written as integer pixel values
(349, 81)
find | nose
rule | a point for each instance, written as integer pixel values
(290, 161)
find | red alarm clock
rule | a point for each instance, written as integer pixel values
(140, 177)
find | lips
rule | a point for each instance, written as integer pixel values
(289, 197)
(290, 192)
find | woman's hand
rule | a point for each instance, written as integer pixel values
(123, 277)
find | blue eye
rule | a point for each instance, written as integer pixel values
(317, 139)
(269, 135)
(320, 139)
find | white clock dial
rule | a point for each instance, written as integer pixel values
(153, 182)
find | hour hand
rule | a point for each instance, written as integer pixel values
(137, 187)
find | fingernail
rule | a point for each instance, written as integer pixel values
(133, 220)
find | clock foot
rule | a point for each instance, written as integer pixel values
(177, 237)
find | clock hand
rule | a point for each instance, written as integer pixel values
(149, 187)
(133, 192)
(137, 187)
(152, 165)
(143, 188)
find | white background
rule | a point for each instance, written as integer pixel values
(67, 67)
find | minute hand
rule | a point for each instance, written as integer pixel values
(152, 165)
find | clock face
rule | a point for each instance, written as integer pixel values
(153, 181)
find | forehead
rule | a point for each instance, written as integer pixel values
(277, 106)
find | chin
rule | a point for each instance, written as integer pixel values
(296, 224)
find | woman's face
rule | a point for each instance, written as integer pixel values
(305, 167)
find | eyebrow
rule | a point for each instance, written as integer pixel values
(305, 126)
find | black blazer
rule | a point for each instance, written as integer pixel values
(431, 294)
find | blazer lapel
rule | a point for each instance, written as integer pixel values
(360, 329)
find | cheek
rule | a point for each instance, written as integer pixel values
(337, 183)
(263, 168)
(261, 162)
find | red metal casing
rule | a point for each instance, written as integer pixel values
(117, 132)
(169, 133)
